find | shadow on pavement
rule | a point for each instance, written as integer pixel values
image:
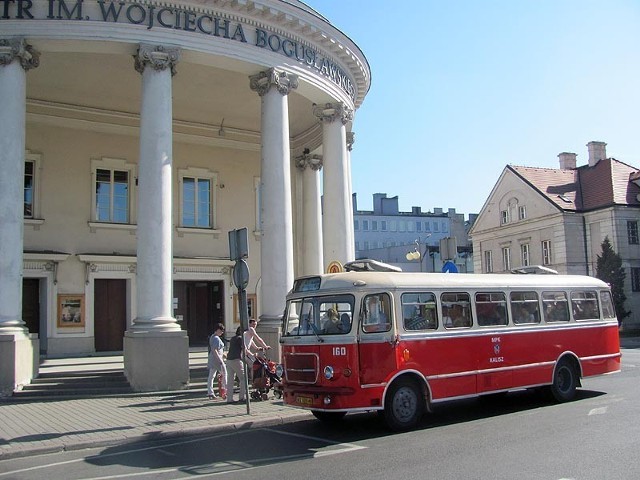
(210, 454)
(251, 447)
(39, 437)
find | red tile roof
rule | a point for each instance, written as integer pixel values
(607, 183)
(560, 187)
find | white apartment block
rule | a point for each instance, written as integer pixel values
(387, 234)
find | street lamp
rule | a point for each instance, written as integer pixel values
(415, 254)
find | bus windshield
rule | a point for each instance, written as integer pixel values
(326, 315)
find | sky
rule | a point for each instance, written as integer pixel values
(462, 88)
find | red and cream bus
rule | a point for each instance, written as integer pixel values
(400, 342)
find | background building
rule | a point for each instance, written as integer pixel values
(387, 234)
(559, 218)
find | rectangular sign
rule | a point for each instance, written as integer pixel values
(238, 244)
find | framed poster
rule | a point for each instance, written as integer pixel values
(70, 311)
(251, 306)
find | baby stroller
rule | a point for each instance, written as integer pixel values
(265, 379)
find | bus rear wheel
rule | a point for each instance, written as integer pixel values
(404, 405)
(328, 417)
(565, 381)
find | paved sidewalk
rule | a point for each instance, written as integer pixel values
(52, 425)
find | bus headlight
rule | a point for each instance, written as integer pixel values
(328, 372)
(279, 370)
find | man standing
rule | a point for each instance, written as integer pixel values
(235, 367)
(252, 339)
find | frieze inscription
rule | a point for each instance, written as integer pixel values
(152, 15)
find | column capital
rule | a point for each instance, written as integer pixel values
(18, 48)
(329, 112)
(263, 81)
(158, 57)
(314, 162)
(351, 139)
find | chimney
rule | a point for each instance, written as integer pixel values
(597, 152)
(567, 160)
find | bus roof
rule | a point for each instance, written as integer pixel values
(393, 280)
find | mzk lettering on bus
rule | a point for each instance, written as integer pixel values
(496, 351)
(156, 15)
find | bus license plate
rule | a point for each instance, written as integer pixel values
(304, 400)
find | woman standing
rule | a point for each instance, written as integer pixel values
(215, 361)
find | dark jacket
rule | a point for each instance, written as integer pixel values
(235, 348)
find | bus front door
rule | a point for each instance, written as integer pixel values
(377, 357)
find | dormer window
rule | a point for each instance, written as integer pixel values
(522, 212)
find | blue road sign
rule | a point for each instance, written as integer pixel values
(449, 267)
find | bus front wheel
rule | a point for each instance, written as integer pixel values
(565, 381)
(404, 405)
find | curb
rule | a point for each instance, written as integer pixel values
(165, 435)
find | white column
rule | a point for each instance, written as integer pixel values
(17, 364)
(156, 349)
(276, 247)
(310, 166)
(336, 219)
(352, 236)
(13, 87)
(155, 248)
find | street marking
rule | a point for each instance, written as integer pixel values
(348, 447)
(598, 411)
(222, 467)
(170, 454)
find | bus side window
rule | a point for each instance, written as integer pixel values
(524, 307)
(584, 305)
(608, 310)
(419, 311)
(456, 310)
(556, 306)
(376, 313)
(491, 308)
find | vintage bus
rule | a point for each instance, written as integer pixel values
(399, 342)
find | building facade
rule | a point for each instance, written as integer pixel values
(558, 218)
(387, 234)
(135, 135)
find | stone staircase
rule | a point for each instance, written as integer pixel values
(99, 376)
(75, 384)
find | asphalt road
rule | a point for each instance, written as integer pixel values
(518, 436)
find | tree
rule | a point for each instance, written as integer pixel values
(609, 269)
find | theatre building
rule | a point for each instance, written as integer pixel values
(134, 136)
